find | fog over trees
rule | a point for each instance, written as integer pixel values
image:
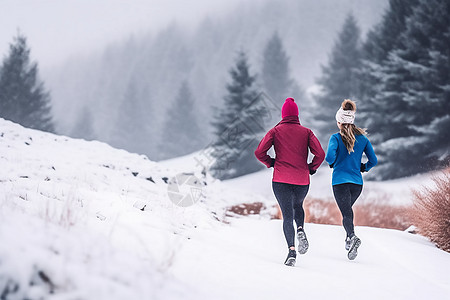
(236, 126)
(275, 73)
(339, 78)
(159, 94)
(181, 133)
(159, 63)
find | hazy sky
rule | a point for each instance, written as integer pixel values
(57, 29)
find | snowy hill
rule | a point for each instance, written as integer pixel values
(82, 220)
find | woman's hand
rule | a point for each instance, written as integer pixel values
(272, 163)
(363, 168)
(311, 170)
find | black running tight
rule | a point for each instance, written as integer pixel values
(346, 195)
(290, 198)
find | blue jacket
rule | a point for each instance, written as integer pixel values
(347, 167)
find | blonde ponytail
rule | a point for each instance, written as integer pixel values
(348, 131)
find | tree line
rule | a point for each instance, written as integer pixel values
(24, 100)
(400, 77)
(398, 74)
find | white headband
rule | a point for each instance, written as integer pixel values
(345, 116)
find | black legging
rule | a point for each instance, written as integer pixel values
(346, 195)
(290, 198)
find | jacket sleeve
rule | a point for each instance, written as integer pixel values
(316, 149)
(368, 150)
(263, 147)
(332, 150)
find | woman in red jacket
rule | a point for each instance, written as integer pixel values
(290, 181)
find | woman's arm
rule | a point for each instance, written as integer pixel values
(332, 150)
(368, 150)
(316, 149)
(263, 147)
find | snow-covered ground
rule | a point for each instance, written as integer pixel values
(82, 220)
(244, 261)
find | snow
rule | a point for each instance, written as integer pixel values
(73, 206)
(245, 262)
(82, 220)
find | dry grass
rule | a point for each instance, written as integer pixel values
(321, 212)
(246, 209)
(326, 212)
(381, 216)
(431, 211)
(65, 212)
(365, 214)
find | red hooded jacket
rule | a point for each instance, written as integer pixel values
(291, 142)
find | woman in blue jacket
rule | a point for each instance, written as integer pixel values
(344, 155)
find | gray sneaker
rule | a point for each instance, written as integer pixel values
(290, 259)
(355, 242)
(303, 244)
(347, 243)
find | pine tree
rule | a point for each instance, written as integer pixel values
(385, 36)
(275, 71)
(23, 98)
(380, 41)
(304, 102)
(181, 133)
(339, 79)
(84, 126)
(415, 94)
(131, 131)
(236, 125)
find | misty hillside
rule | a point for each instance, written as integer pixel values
(151, 69)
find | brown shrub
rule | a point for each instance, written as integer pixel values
(322, 212)
(365, 214)
(381, 216)
(246, 209)
(431, 211)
